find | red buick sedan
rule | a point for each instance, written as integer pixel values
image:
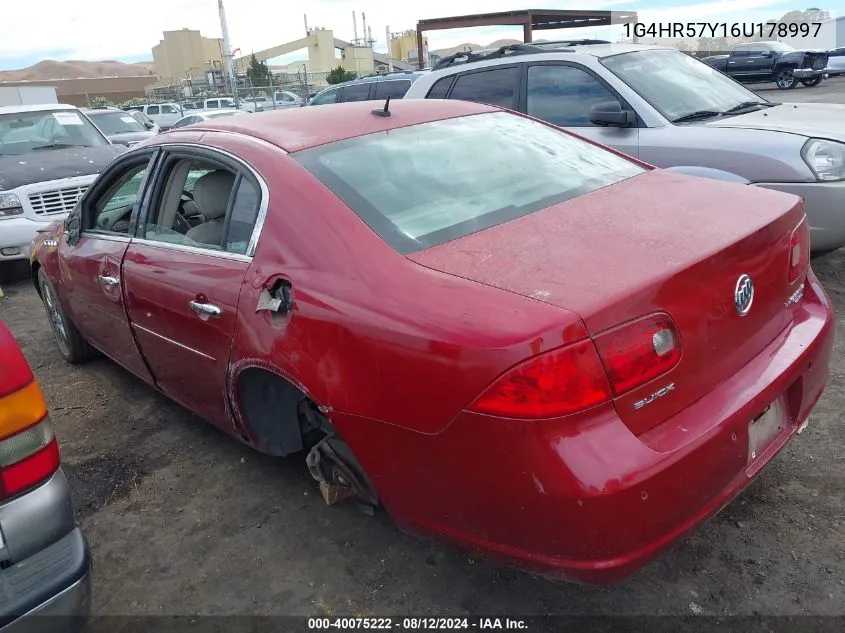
(505, 335)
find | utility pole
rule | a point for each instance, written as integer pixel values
(227, 51)
(389, 51)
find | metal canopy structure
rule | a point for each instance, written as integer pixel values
(530, 19)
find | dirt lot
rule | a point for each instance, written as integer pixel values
(184, 520)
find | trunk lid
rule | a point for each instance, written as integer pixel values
(660, 242)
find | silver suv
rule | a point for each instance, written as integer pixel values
(667, 109)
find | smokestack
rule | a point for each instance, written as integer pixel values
(227, 47)
(305, 18)
(364, 22)
(355, 28)
(370, 39)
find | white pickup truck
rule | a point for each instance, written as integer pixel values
(162, 114)
(218, 103)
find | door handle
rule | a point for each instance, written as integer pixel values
(108, 281)
(205, 309)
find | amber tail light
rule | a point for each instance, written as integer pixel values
(29, 453)
(799, 251)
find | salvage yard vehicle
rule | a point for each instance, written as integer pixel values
(755, 62)
(371, 87)
(490, 327)
(667, 109)
(163, 114)
(49, 154)
(45, 564)
(205, 115)
(120, 127)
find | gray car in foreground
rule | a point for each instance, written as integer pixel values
(667, 109)
(45, 563)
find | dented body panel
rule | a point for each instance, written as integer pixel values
(388, 352)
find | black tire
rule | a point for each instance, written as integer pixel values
(812, 82)
(72, 347)
(784, 78)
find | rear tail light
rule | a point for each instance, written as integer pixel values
(560, 382)
(637, 352)
(799, 251)
(29, 453)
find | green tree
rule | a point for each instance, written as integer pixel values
(339, 75)
(808, 15)
(258, 73)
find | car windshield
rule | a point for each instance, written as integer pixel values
(25, 132)
(461, 176)
(116, 122)
(677, 84)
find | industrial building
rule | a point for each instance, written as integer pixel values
(186, 54)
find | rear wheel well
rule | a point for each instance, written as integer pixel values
(278, 416)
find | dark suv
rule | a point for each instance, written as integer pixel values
(393, 85)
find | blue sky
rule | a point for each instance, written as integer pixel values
(87, 29)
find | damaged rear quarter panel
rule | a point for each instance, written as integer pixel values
(372, 333)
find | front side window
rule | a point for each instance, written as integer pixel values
(356, 92)
(464, 175)
(563, 95)
(186, 121)
(329, 96)
(111, 212)
(496, 87)
(213, 103)
(25, 132)
(677, 84)
(169, 109)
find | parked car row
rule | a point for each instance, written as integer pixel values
(656, 104)
(756, 62)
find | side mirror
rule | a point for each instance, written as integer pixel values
(766, 53)
(610, 113)
(73, 224)
(149, 125)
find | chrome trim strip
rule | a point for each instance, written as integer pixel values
(193, 249)
(265, 192)
(105, 236)
(169, 340)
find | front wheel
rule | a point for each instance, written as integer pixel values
(813, 81)
(785, 78)
(73, 348)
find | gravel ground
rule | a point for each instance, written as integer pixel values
(184, 520)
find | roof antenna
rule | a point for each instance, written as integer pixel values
(383, 111)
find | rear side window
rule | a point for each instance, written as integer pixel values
(497, 87)
(563, 95)
(211, 104)
(464, 175)
(152, 109)
(395, 89)
(356, 92)
(440, 88)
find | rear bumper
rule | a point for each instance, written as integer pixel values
(582, 497)
(824, 203)
(50, 590)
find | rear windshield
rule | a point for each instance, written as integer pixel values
(424, 185)
(116, 122)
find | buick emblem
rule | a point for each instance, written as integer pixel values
(744, 294)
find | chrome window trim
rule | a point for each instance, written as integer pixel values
(111, 237)
(252, 245)
(199, 250)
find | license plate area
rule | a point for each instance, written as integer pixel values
(765, 428)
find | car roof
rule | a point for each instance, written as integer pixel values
(39, 107)
(297, 129)
(101, 110)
